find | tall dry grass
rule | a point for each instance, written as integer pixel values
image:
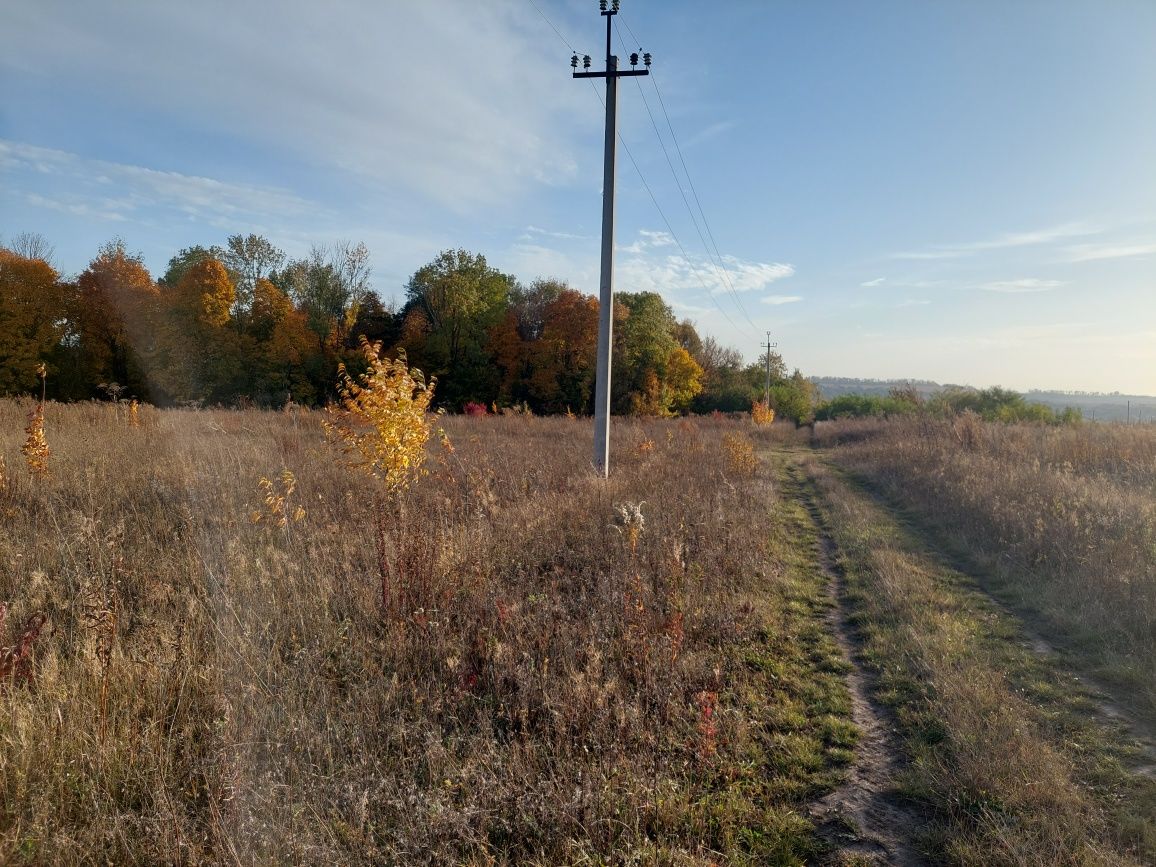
(1062, 520)
(555, 683)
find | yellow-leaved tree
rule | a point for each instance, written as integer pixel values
(382, 420)
(382, 423)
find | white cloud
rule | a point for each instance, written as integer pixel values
(109, 211)
(1027, 284)
(781, 299)
(1093, 252)
(562, 236)
(656, 239)
(1006, 241)
(878, 281)
(417, 96)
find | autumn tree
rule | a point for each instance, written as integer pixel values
(248, 258)
(545, 347)
(31, 245)
(654, 374)
(116, 310)
(327, 286)
(199, 355)
(32, 319)
(286, 358)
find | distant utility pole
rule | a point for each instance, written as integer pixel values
(768, 346)
(606, 281)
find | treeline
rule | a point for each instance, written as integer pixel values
(991, 404)
(245, 324)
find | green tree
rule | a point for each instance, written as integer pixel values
(451, 305)
(654, 373)
(248, 258)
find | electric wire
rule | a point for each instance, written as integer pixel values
(718, 265)
(682, 160)
(674, 236)
(552, 27)
(669, 228)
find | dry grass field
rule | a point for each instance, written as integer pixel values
(1061, 520)
(222, 645)
(569, 671)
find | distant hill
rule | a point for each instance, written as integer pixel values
(1094, 405)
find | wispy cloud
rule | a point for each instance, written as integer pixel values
(1093, 252)
(712, 131)
(780, 299)
(108, 212)
(85, 185)
(532, 231)
(869, 284)
(1051, 235)
(1027, 284)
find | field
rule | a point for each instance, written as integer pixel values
(910, 642)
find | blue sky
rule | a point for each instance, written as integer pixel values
(957, 191)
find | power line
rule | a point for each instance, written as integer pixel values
(718, 266)
(552, 27)
(689, 179)
(690, 182)
(650, 193)
(669, 227)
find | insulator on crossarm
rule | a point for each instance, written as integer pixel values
(585, 61)
(646, 59)
(574, 62)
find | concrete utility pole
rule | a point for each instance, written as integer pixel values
(606, 281)
(768, 346)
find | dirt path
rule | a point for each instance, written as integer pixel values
(862, 817)
(1110, 710)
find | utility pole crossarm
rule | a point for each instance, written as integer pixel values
(606, 278)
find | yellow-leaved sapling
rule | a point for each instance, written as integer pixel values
(382, 424)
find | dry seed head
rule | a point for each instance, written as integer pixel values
(631, 522)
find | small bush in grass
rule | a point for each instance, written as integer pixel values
(381, 422)
(761, 413)
(473, 408)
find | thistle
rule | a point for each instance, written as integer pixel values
(630, 523)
